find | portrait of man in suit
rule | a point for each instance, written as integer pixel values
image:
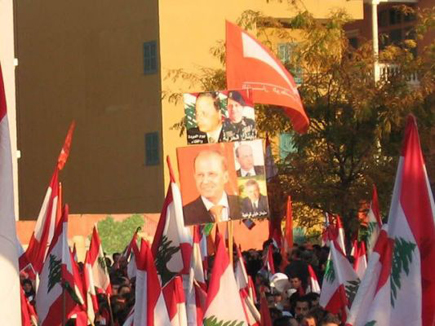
(245, 158)
(213, 204)
(212, 126)
(255, 204)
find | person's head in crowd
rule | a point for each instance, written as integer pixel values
(245, 157)
(295, 282)
(108, 262)
(330, 320)
(208, 112)
(252, 190)
(314, 316)
(28, 286)
(115, 257)
(236, 105)
(285, 321)
(123, 289)
(296, 254)
(275, 313)
(314, 298)
(309, 320)
(302, 307)
(211, 175)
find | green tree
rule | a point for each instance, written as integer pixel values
(115, 236)
(356, 123)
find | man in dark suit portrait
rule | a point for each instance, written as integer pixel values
(255, 205)
(213, 204)
(244, 127)
(212, 126)
(245, 158)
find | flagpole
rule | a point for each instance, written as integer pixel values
(230, 227)
(110, 308)
(63, 304)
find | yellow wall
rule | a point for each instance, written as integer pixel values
(83, 60)
(188, 29)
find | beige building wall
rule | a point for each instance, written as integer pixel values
(189, 29)
(7, 61)
(84, 60)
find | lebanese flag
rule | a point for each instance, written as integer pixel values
(243, 284)
(374, 224)
(57, 275)
(340, 235)
(129, 254)
(48, 215)
(411, 226)
(9, 276)
(195, 311)
(288, 231)
(340, 282)
(95, 272)
(28, 314)
(372, 301)
(44, 228)
(360, 258)
(269, 264)
(224, 305)
(251, 65)
(150, 308)
(313, 282)
(172, 237)
(175, 302)
(95, 264)
(264, 311)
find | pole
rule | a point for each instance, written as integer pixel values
(230, 241)
(375, 36)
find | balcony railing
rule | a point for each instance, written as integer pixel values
(387, 71)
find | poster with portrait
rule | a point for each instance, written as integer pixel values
(222, 116)
(214, 187)
(250, 169)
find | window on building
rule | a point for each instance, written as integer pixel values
(353, 42)
(286, 145)
(152, 156)
(383, 18)
(395, 16)
(150, 57)
(285, 52)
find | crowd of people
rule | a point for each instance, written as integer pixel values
(287, 292)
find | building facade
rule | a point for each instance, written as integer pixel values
(105, 65)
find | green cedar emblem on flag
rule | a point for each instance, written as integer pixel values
(54, 272)
(213, 321)
(402, 258)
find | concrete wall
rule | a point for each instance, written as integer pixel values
(84, 60)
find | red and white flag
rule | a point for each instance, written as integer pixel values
(57, 276)
(251, 65)
(246, 293)
(372, 301)
(150, 308)
(411, 226)
(175, 302)
(224, 305)
(313, 282)
(340, 282)
(360, 258)
(95, 272)
(9, 276)
(95, 263)
(129, 255)
(340, 236)
(195, 311)
(48, 215)
(374, 224)
(288, 231)
(172, 244)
